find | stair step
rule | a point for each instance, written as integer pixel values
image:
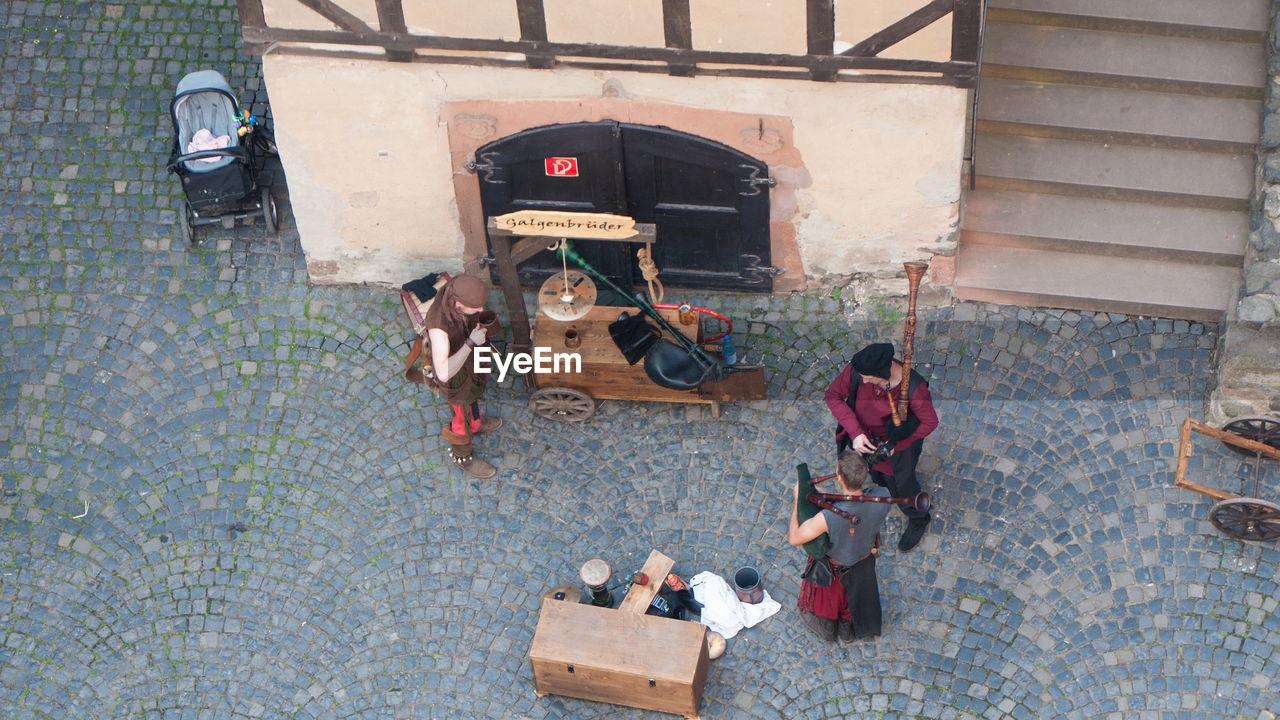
(1121, 25)
(1251, 15)
(1126, 114)
(1113, 54)
(1040, 75)
(1104, 227)
(1115, 167)
(1110, 284)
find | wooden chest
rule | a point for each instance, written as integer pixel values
(619, 657)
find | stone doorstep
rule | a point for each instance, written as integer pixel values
(1248, 372)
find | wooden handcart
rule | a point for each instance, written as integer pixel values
(1243, 518)
(605, 373)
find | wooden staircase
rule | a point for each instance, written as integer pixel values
(1114, 158)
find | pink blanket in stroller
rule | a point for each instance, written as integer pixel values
(204, 140)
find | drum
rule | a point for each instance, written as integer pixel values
(595, 574)
(715, 644)
(568, 593)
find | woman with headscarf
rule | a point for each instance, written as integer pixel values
(453, 333)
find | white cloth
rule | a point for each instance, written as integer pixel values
(204, 140)
(722, 611)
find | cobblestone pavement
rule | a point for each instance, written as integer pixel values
(220, 500)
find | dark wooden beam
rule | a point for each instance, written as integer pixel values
(904, 28)
(508, 275)
(966, 28)
(678, 32)
(337, 15)
(586, 50)
(820, 31)
(949, 74)
(251, 16)
(533, 28)
(391, 20)
(527, 247)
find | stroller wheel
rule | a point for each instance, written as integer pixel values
(269, 211)
(186, 227)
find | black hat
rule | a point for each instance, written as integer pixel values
(875, 360)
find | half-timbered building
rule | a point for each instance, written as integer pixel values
(1106, 161)
(772, 143)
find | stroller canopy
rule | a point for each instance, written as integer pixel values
(204, 101)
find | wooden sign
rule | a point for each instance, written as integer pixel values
(588, 226)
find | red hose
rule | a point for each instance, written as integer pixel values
(727, 322)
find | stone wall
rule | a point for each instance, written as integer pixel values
(1249, 352)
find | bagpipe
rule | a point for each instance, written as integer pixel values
(810, 502)
(903, 423)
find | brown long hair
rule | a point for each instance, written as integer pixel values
(444, 315)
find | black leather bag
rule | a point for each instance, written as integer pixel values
(819, 572)
(671, 366)
(633, 336)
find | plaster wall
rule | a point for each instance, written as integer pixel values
(868, 174)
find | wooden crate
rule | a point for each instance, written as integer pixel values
(607, 376)
(619, 657)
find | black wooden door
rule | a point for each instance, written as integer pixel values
(513, 176)
(711, 218)
(710, 202)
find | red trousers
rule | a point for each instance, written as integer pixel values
(459, 422)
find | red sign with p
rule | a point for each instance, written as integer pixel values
(562, 166)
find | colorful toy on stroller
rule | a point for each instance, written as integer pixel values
(217, 154)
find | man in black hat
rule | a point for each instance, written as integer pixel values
(860, 401)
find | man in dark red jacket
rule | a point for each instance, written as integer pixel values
(859, 399)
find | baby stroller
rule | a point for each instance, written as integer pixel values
(217, 154)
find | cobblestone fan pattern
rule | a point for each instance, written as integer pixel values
(220, 499)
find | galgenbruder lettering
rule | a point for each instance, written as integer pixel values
(564, 224)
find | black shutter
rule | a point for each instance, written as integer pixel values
(711, 218)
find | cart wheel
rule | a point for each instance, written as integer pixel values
(563, 404)
(1265, 430)
(186, 227)
(269, 211)
(1247, 519)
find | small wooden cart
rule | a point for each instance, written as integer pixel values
(1243, 518)
(605, 373)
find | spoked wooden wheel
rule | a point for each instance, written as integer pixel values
(563, 404)
(1247, 519)
(1265, 430)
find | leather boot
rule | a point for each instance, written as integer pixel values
(489, 423)
(461, 444)
(914, 532)
(462, 455)
(476, 467)
(824, 627)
